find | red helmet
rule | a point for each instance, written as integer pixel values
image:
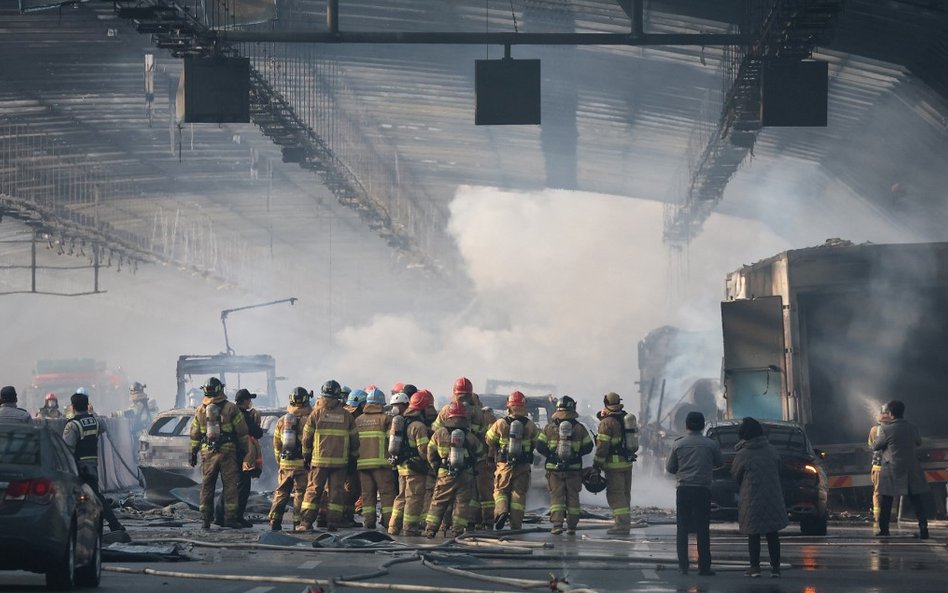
(51, 397)
(463, 386)
(397, 388)
(516, 400)
(456, 409)
(421, 400)
(370, 388)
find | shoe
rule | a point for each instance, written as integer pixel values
(618, 531)
(882, 533)
(923, 533)
(233, 524)
(458, 532)
(557, 530)
(368, 526)
(430, 534)
(247, 524)
(219, 522)
(413, 533)
(304, 526)
(775, 573)
(206, 524)
(706, 572)
(571, 531)
(395, 531)
(500, 520)
(321, 522)
(753, 572)
(274, 526)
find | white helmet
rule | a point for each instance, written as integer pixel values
(399, 398)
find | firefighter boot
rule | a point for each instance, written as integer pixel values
(206, 521)
(276, 523)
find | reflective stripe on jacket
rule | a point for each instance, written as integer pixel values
(418, 435)
(439, 450)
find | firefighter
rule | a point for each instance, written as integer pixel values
(219, 433)
(81, 434)
(355, 402)
(563, 442)
(480, 519)
(250, 462)
(330, 443)
(408, 451)
(510, 443)
(50, 409)
(616, 443)
(288, 451)
(375, 472)
(480, 497)
(138, 414)
(453, 451)
(883, 418)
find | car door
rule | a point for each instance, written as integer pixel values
(81, 498)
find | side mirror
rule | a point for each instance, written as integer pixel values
(820, 453)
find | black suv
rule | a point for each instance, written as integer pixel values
(804, 481)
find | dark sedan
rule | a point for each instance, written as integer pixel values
(50, 521)
(805, 486)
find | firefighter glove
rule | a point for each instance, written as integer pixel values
(194, 458)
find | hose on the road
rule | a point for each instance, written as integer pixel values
(552, 585)
(318, 582)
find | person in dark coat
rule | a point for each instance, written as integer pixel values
(901, 473)
(761, 509)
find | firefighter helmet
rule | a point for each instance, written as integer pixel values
(331, 388)
(397, 388)
(136, 388)
(137, 392)
(375, 397)
(82, 390)
(456, 409)
(463, 386)
(356, 398)
(593, 480)
(213, 387)
(51, 397)
(566, 403)
(400, 398)
(421, 400)
(611, 399)
(410, 389)
(300, 396)
(516, 400)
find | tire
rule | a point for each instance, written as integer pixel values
(60, 576)
(813, 526)
(90, 574)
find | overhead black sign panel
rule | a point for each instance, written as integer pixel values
(507, 92)
(216, 90)
(794, 93)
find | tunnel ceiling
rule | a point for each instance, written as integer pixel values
(79, 147)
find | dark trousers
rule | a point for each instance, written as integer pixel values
(693, 508)
(90, 475)
(773, 549)
(885, 512)
(243, 493)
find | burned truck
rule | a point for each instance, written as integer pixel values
(824, 336)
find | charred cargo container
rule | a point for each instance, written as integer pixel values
(824, 336)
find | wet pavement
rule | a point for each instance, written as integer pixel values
(848, 559)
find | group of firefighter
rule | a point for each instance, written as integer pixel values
(449, 470)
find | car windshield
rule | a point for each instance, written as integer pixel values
(783, 438)
(19, 448)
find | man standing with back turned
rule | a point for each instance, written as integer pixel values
(693, 458)
(901, 473)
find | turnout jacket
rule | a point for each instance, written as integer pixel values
(294, 460)
(233, 427)
(373, 425)
(498, 440)
(440, 447)
(418, 435)
(610, 441)
(580, 442)
(330, 437)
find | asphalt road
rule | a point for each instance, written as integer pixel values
(849, 559)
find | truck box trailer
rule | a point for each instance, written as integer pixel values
(824, 336)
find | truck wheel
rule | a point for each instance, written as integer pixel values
(813, 526)
(60, 575)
